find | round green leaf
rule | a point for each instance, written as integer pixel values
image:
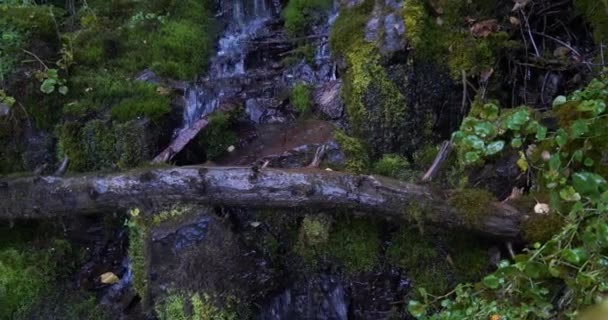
(575, 256)
(489, 112)
(569, 194)
(471, 157)
(491, 281)
(579, 128)
(484, 129)
(559, 100)
(561, 137)
(541, 133)
(474, 142)
(416, 308)
(589, 184)
(516, 143)
(495, 147)
(48, 86)
(63, 90)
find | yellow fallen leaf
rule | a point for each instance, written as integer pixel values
(109, 278)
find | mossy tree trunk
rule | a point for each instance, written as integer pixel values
(44, 197)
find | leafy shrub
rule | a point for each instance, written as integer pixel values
(570, 266)
(153, 108)
(392, 165)
(300, 98)
(348, 28)
(357, 157)
(218, 136)
(181, 49)
(27, 271)
(301, 15)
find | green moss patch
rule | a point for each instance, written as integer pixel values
(301, 98)
(436, 263)
(353, 245)
(541, 227)
(472, 204)
(33, 262)
(301, 15)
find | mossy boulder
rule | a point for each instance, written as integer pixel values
(352, 245)
(472, 204)
(190, 251)
(103, 145)
(394, 102)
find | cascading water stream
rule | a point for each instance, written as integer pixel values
(245, 19)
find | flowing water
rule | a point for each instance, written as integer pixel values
(245, 19)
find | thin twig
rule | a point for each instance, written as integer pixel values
(464, 92)
(37, 58)
(559, 41)
(530, 33)
(444, 153)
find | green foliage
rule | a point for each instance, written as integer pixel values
(100, 145)
(29, 268)
(450, 43)
(425, 260)
(218, 135)
(64, 303)
(182, 306)
(353, 245)
(349, 27)
(357, 158)
(138, 238)
(172, 308)
(301, 15)
(472, 203)
(570, 265)
(485, 133)
(301, 98)
(52, 82)
(392, 165)
(596, 13)
(181, 49)
(418, 256)
(11, 43)
(153, 108)
(541, 227)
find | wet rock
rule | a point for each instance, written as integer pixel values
(322, 297)
(373, 295)
(328, 100)
(288, 146)
(149, 76)
(197, 252)
(394, 28)
(4, 110)
(38, 151)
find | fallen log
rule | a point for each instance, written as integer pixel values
(183, 138)
(44, 197)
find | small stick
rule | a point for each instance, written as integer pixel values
(444, 153)
(36, 57)
(319, 154)
(530, 33)
(464, 91)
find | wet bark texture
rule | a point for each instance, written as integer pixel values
(150, 189)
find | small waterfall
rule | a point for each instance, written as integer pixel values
(322, 298)
(245, 19)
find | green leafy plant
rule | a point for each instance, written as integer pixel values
(486, 132)
(300, 98)
(51, 82)
(300, 15)
(567, 273)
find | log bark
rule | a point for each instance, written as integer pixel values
(44, 197)
(180, 142)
